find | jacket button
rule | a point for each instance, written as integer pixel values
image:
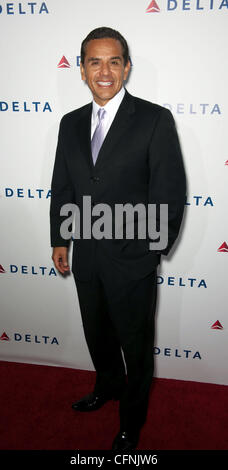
(95, 179)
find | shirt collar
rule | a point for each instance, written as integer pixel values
(112, 105)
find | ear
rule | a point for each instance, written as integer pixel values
(127, 70)
(82, 70)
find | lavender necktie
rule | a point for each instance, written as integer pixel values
(98, 135)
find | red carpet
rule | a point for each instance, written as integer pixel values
(36, 412)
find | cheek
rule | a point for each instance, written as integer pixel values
(118, 77)
(92, 77)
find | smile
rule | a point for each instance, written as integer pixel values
(105, 84)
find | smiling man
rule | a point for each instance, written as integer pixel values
(118, 149)
(104, 69)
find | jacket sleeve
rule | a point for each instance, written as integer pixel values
(167, 184)
(61, 190)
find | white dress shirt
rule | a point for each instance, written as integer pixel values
(111, 109)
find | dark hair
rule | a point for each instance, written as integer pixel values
(104, 32)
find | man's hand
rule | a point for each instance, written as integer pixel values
(60, 258)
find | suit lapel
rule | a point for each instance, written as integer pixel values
(118, 127)
(84, 134)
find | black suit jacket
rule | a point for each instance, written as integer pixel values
(140, 161)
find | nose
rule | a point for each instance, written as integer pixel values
(105, 69)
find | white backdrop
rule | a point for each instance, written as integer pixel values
(179, 59)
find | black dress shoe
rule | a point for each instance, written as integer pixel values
(92, 402)
(125, 441)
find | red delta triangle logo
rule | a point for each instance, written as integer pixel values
(226, 163)
(4, 337)
(2, 270)
(153, 7)
(217, 326)
(223, 248)
(63, 64)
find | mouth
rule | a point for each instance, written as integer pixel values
(104, 84)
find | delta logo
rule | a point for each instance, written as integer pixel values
(25, 106)
(217, 326)
(4, 337)
(188, 5)
(23, 8)
(26, 193)
(175, 353)
(174, 281)
(194, 109)
(223, 248)
(63, 63)
(29, 338)
(226, 163)
(29, 270)
(153, 7)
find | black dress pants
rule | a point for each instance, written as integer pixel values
(118, 321)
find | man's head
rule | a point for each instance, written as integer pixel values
(104, 63)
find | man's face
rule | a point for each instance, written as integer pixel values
(104, 69)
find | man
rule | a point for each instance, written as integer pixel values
(129, 154)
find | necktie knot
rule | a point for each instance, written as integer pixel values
(101, 114)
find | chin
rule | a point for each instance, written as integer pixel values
(105, 97)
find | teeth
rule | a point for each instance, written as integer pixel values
(104, 83)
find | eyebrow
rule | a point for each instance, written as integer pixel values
(98, 58)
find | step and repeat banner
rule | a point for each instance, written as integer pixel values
(178, 60)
